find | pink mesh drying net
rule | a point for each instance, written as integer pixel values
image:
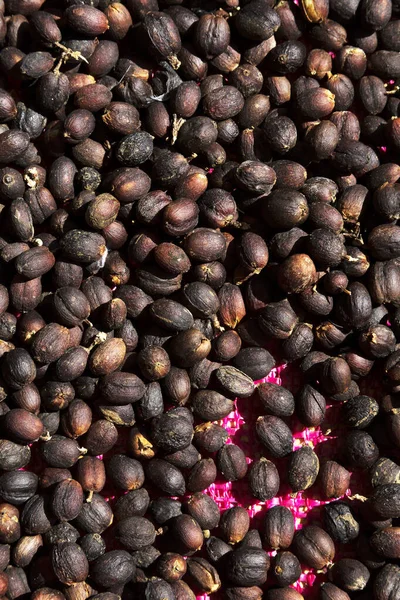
(240, 425)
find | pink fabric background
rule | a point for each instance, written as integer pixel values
(240, 425)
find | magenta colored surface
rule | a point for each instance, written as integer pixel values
(240, 425)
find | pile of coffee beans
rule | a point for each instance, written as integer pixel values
(191, 193)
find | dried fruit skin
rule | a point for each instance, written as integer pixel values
(166, 477)
(350, 574)
(314, 546)
(212, 35)
(334, 479)
(113, 568)
(279, 528)
(303, 469)
(234, 524)
(315, 10)
(247, 566)
(135, 533)
(67, 500)
(264, 479)
(231, 462)
(163, 33)
(275, 435)
(387, 582)
(69, 563)
(83, 246)
(204, 574)
(340, 522)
